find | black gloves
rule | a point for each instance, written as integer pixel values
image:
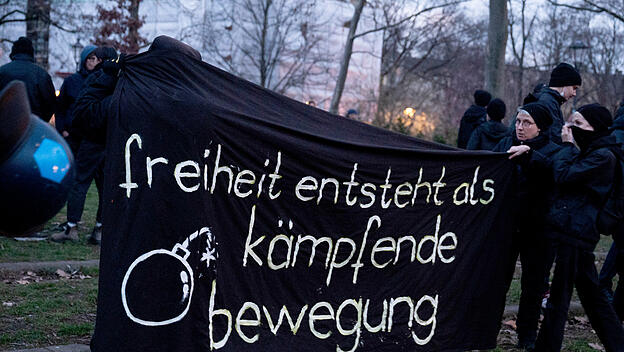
(112, 67)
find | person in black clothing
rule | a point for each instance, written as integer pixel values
(89, 161)
(93, 104)
(533, 184)
(67, 97)
(614, 263)
(563, 85)
(487, 135)
(583, 179)
(38, 82)
(473, 117)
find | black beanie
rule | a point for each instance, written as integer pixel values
(564, 75)
(496, 109)
(482, 98)
(540, 115)
(597, 115)
(22, 46)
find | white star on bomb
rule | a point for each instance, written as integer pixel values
(208, 256)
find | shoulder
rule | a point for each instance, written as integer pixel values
(503, 145)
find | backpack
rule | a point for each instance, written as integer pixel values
(612, 213)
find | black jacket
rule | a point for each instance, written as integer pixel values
(619, 112)
(553, 101)
(69, 92)
(533, 182)
(38, 84)
(487, 135)
(617, 131)
(583, 180)
(473, 117)
(91, 107)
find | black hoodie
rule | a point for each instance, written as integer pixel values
(473, 117)
(487, 135)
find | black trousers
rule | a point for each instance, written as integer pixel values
(575, 268)
(533, 249)
(89, 166)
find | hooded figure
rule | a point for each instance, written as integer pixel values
(533, 184)
(38, 82)
(69, 92)
(473, 117)
(89, 161)
(93, 104)
(487, 135)
(583, 179)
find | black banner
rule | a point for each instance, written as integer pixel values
(239, 219)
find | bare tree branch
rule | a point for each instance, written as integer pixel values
(593, 7)
(408, 18)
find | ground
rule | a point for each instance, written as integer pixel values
(45, 308)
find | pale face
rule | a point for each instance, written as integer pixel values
(576, 119)
(569, 92)
(91, 62)
(525, 127)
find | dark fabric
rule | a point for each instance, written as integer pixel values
(89, 167)
(534, 250)
(597, 115)
(22, 46)
(532, 185)
(487, 135)
(168, 44)
(584, 138)
(482, 97)
(496, 109)
(583, 181)
(533, 180)
(575, 268)
(473, 117)
(540, 114)
(90, 108)
(68, 94)
(565, 75)
(38, 84)
(169, 111)
(619, 112)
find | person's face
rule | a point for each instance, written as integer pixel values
(91, 62)
(569, 92)
(526, 127)
(576, 119)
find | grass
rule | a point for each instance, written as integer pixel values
(42, 309)
(17, 251)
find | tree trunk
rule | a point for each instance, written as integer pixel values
(497, 44)
(38, 29)
(346, 58)
(133, 30)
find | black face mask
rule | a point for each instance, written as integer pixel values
(583, 138)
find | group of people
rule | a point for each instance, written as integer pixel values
(564, 175)
(566, 172)
(87, 145)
